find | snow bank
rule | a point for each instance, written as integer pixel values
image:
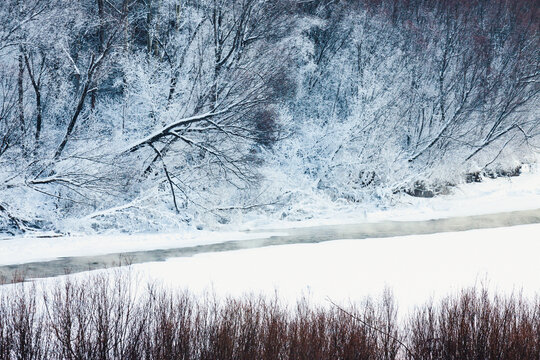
(21, 250)
(415, 268)
(491, 196)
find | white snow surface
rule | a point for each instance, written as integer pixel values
(415, 268)
(21, 250)
(490, 196)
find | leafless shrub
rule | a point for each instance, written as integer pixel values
(474, 325)
(111, 317)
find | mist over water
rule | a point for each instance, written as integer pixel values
(305, 235)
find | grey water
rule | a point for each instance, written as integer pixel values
(304, 235)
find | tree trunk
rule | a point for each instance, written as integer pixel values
(149, 34)
(38, 114)
(36, 84)
(101, 29)
(20, 89)
(101, 43)
(73, 121)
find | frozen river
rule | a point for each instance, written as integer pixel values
(304, 235)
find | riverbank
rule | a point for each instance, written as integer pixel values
(28, 268)
(492, 196)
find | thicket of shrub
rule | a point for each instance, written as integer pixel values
(110, 317)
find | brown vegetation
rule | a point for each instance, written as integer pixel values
(111, 317)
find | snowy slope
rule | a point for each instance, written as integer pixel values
(490, 196)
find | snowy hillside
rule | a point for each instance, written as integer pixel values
(161, 116)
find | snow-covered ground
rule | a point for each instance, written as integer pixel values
(415, 268)
(21, 250)
(503, 194)
(490, 196)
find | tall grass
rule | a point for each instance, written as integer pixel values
(111, 317)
